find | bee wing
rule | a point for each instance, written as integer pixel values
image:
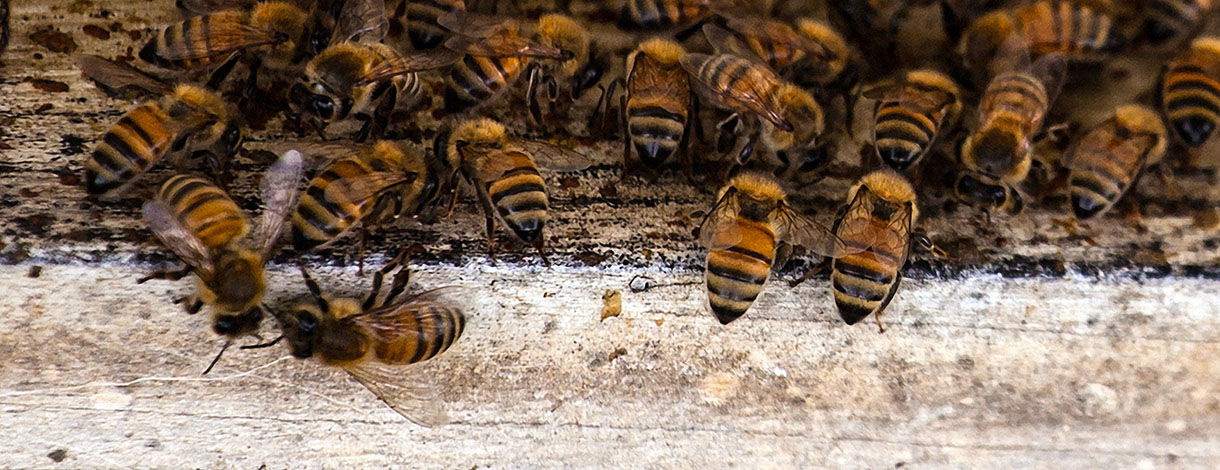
(800, 229)
(361, 19)
(203, 7)
(719, 228)
(410, 63)
(1106, 139)
(403, 318)
(778, 33)
(278, 189)
(177, 237)
(725, 42)
(929, 100)
(412, 396)
(554, 157)
(1051, 70)
(225, 37)
(472, 24)
(884, 92)
(504, 46)
(362, 189)
(120, 80)
(752, 91)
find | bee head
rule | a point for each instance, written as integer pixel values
(978, 189)
(236, 325)
(300, 327)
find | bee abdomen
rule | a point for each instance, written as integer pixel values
(185, 35)
(1065, 26)
(1192, 102)
(320, 216)
(476, 79)
(127, 149)
(422, 27)
(736, 275)
(655, 132)
(861, 283)
(205, 209)
(520, 198)
(436, 328)
(902, 136)
(1092, 192)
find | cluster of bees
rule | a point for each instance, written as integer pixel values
(779, 80)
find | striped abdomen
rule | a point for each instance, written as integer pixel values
(657, 97)
(1015, 99)
(1102, 173)
(431, 329)
(863, 282)
(475, 79)
(646, 14)
(191, 37)
(1167, 19)
(204, 210)
(326, 211)
(735, 275)
(1191, 97)
(902, 135)
(422, 27)
(519, 196)
(1066, 26)
(134, 144)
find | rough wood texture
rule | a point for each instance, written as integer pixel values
(1030, 347)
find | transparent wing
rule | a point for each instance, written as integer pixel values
(364, 188)
(411, 396)
(177, 237)
(361, 19)
(1105, 139)
(504, 45)
(799, 229)
(224, 37)
(750, 92)
(554, 157)
(1011, 56)
(203, 7)
(472, 24)
(410, 63)
(719, 227)
(403, 317)
(120, 80)
(725, 42)
(860, 232)
(278, 189)
(778, 33)
(1051, 70)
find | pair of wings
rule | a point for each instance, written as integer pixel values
(545, 155)
(1050, 70)
(753, 91)
(278, 190)
(411, 395)
(476, 35)
(1105, 139)
(915, 98)
(121, 80)
(765, 31)
(859, 230)
(721, 230)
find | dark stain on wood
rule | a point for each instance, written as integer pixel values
(54, 41)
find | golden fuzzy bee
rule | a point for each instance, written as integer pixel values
(912, 114)
(1190, 91)
(658, 108)
(371, 188)
(504, 172)
(742, 233)
(205, 228)
(575, 75)
(1078, 29)
(996, 156)
(812, 53)
(1109, 159)
(183, 120)
(875, 226)
(1170, 20)
(651, 15)
(375, 341)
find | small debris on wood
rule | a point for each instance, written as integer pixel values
(617, 353)
(58, 455)
(49, 86)
(35, 272)
(612, 304)
(96, 31)
(54, 41)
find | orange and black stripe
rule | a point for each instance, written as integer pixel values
(1168, 19)
(519, 196)
(435, 328)
(736, 275)
(323, 214)
(903, 135)
(1012, 96)
(135, 143)
(1190, 92)
(204, 209)
(652, 14)
(1066, 26)
(656, 116)
(192, 34)
(865, 282)
(476, 79)
(422, 27)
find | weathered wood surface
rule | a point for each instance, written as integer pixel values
(1030, 347)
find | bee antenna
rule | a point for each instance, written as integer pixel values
(217, 358)
(264, 345)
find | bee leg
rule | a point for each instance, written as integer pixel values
(921, 239)
(164, 274)
(726, 137)
(886, 302)
(814, 271)
(252, 79)
(531, 93)
(402, 279)
(195, 306)
(218, 76)
(397, 263)
(381, 115)
(541, 254)
(217, 358)
(264, 345)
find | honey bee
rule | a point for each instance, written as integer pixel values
(205, 228)
(1109, 159)
(271, 34)
(581, 72)
(742, 232)
(876, 228)
(422, 26)
(912, 114)
(1190, 91)
(372, 188)
(1167, 20)
(1078, 29)
(652, 15)
(658, 102)
(812, 54)
(182, 120)
(375, 341)
(997, 154)
(504, 172)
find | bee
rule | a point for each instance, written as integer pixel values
(799, 148)
(997, 154)
(658, 104)
(372, 188)
(271, 33)
(205, 228)
(1109, 159)
(505, 175)
(576, 75)
(812, 54)
(181, 120)
(1166, 20)
(1190, 91)
(876, 228)
(422, 26)
(652, 15)
(746, 88)
(742, 232)
(912, 114)
(1079, 29)
(374, 341)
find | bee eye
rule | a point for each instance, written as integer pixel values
(322, 106)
